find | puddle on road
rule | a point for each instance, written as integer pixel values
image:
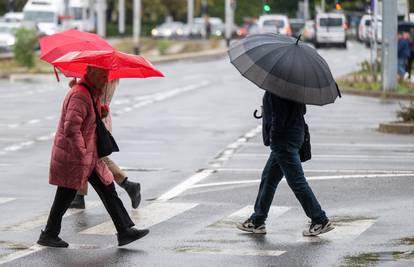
(13, 246)
(373, 259)
(348, 219)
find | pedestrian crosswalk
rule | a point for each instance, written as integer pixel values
(222, 228)
(5, 199)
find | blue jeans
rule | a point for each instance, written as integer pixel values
(284, 160)
(401, 66)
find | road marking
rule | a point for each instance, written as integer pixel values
(6, 199)
(244, 213)
(321, 171)
(223, 156)
(20, 254)
(408, 156)
(349, 145)
(42, 219)
(180, 188)
(233, 252)
(145, 217)
(150, 99)
(310, 178)
(344, 230)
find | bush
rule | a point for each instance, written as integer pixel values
(163, 46)
(406, 113)
(24, 48)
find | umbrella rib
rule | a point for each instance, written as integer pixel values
(271, 70)
(314, 71)
(255, 47)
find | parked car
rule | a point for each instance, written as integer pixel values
(248, 28)
(13, 17)
(363, 28)
(330, 29)
(275, 24)
(173, 29)
(309, 31)
(216, 26)
(7, 35)
(297, 26)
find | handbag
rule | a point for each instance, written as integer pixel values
(105, 142)
(305, 150)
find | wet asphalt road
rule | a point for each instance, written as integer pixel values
(192, 143)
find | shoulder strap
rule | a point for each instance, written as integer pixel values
(93, 102)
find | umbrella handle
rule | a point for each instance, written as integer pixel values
(256, 116)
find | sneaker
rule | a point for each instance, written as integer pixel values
(249, 226)
(51, 241)
(317, 229)
(131, 235)
(78, 202)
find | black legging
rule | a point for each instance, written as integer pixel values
(410, 64)
(114, 206)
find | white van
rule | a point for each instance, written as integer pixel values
(330, 29)
(80, 13)
(45, 14)
(275, 24)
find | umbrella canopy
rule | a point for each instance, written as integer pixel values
(120, 65)
(57, 45)
(405, 26)
(285, 67)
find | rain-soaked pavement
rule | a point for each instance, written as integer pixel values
(191, 141)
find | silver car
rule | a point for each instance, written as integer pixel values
(7, 35)
(169, 30)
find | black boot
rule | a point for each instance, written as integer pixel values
(134, 192)
(131, 235)
(78, 202)
(51, 241)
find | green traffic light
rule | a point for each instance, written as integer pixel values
(266, 8)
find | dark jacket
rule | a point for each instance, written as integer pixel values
(403, 49)
(282, 119)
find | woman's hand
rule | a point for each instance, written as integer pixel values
(104, 110)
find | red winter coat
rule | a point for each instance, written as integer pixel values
(74, 152)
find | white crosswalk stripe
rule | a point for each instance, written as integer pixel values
(6, 199)
(344, 230)
(145, 217)
(244, 213)
(42, 219)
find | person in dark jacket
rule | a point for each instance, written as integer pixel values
(410, 59)
(283, 130)
(404, 52)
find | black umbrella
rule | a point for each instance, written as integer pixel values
(405, 26)
(285, 67)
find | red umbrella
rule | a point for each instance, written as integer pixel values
(57, 45)
(120, 65)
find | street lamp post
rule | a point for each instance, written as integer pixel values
(389, 44)
(101, 10)
(121, 16)
(137, 25)
(190, 16)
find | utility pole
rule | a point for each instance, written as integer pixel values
(389, 44)
(66, 15)
(121, 16)
(229, 20)
(137, 25)
(375, 35)
(101, 10)
(190, 16)
(306, 9)
(323, 5)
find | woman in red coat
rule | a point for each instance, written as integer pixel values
(75, 162)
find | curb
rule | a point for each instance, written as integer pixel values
(397, 128)
(388, 95)
(211, 54)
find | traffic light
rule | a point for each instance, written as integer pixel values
(338, 5)
(266, 6)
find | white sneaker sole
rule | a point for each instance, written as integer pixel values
(253, 231)
(323, 231)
